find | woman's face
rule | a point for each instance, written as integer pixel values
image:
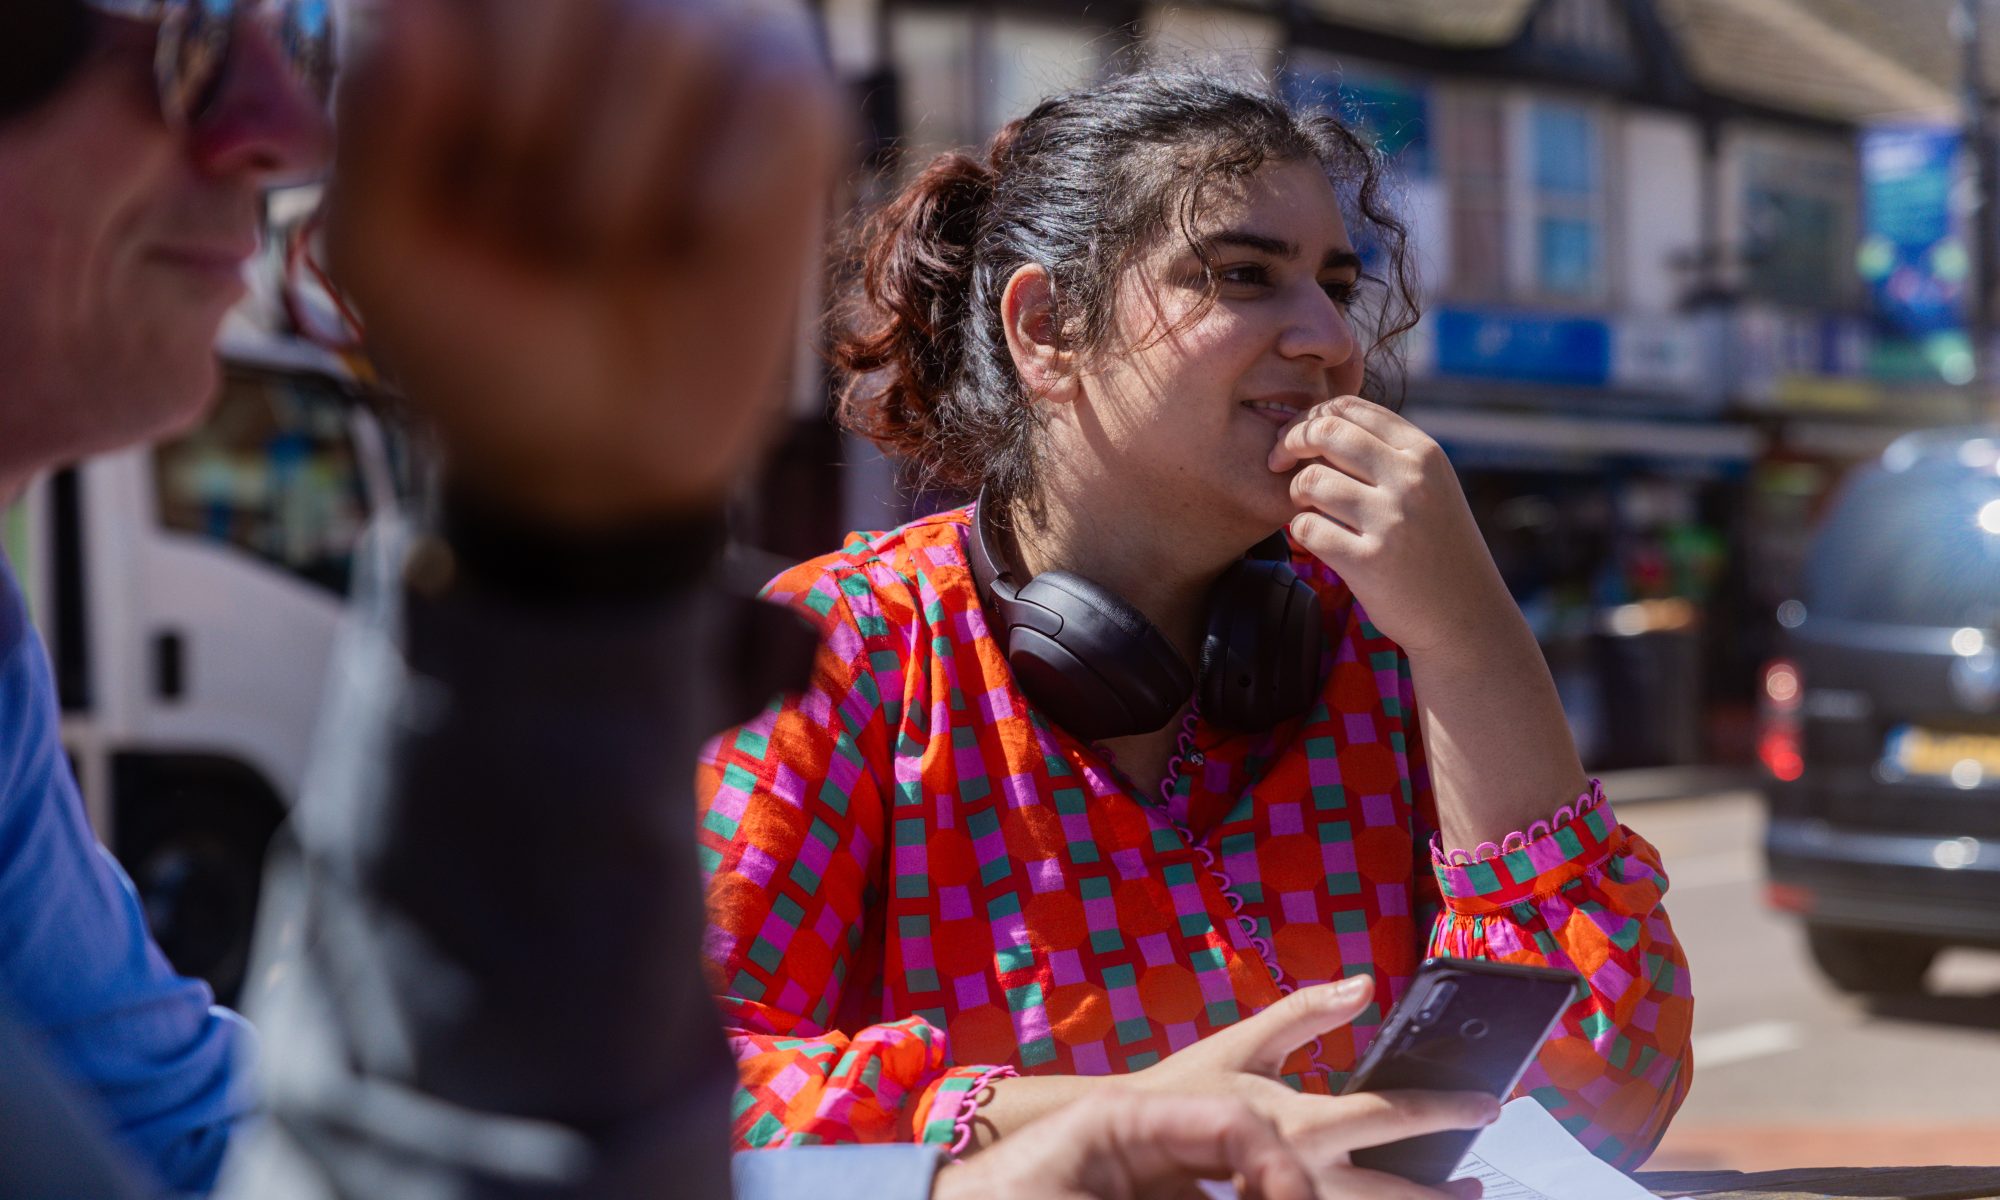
(1183, 406)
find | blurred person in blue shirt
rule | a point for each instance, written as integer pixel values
(122, 237)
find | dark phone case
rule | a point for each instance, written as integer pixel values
(1479, 1039)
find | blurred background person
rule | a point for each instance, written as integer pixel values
(130, 200)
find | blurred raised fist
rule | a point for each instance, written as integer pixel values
(577, 232)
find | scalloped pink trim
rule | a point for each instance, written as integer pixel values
(1184, 748)
(969, 1103)
(1592, 797)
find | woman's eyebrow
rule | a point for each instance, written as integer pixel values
(1337, 259)
(1260, 242)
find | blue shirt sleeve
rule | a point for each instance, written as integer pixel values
(873, 1172)
(169, 1068)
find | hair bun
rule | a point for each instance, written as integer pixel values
(903, 342)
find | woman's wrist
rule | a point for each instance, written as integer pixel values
(1498, 743)
(1014, 1101)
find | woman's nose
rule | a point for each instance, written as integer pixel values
(1317, 328)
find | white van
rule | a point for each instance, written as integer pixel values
(189, 593)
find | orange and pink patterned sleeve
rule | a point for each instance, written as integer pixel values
(1582, 893)
(791, 836)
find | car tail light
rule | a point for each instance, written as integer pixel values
(1780, 734)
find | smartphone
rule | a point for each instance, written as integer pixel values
(1465, 1025)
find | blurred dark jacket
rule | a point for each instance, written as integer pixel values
(478, 969)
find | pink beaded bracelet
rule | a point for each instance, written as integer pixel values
(1592, 797)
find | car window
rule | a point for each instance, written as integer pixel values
(1907, 548)
(272, 471)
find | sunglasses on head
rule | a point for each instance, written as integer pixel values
(196, 38)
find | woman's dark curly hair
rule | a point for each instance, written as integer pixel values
(1081, 185)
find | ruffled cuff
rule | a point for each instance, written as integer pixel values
(1528, 862)
(951, 1102)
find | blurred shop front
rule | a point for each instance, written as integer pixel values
(1611, 488)
(1833, 390)
(1831, 393)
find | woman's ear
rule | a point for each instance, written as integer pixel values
(1034, 336)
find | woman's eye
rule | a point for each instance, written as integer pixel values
(1248, 274)
(1343, 292)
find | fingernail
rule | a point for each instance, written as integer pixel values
(1490, 1112)
(1349, 989)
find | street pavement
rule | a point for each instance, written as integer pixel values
(1788, 1072)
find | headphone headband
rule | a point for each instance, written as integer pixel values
(987, 569)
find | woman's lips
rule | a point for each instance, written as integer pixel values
(1280, 409)
(1276, 416)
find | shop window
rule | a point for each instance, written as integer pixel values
(1568, 250)
(1789, 238)
(1567, 201)
(1799, 227)
(272, 472)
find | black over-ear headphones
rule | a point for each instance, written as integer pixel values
(1096, 665)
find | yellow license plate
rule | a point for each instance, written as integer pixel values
(1944, 755)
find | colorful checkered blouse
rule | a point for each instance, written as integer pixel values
(915, 879)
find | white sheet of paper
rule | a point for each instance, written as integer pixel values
(1525, 1155)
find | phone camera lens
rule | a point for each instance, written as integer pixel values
(1473, 1030)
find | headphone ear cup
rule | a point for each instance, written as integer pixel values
(1261, 658)
(1302, 642)
(1103, 671)
(1228, 668)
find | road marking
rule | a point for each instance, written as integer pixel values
(1713, 870)
(1757, 1040)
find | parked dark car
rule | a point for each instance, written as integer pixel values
(1881, 725)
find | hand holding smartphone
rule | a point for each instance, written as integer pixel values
(1464, 1025)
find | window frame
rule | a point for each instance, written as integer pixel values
(1521, 202)
(1530, 204)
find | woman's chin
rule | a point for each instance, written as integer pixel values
(1267, 502)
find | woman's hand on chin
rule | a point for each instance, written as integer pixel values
(1243, 1062)
(1380, 504)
